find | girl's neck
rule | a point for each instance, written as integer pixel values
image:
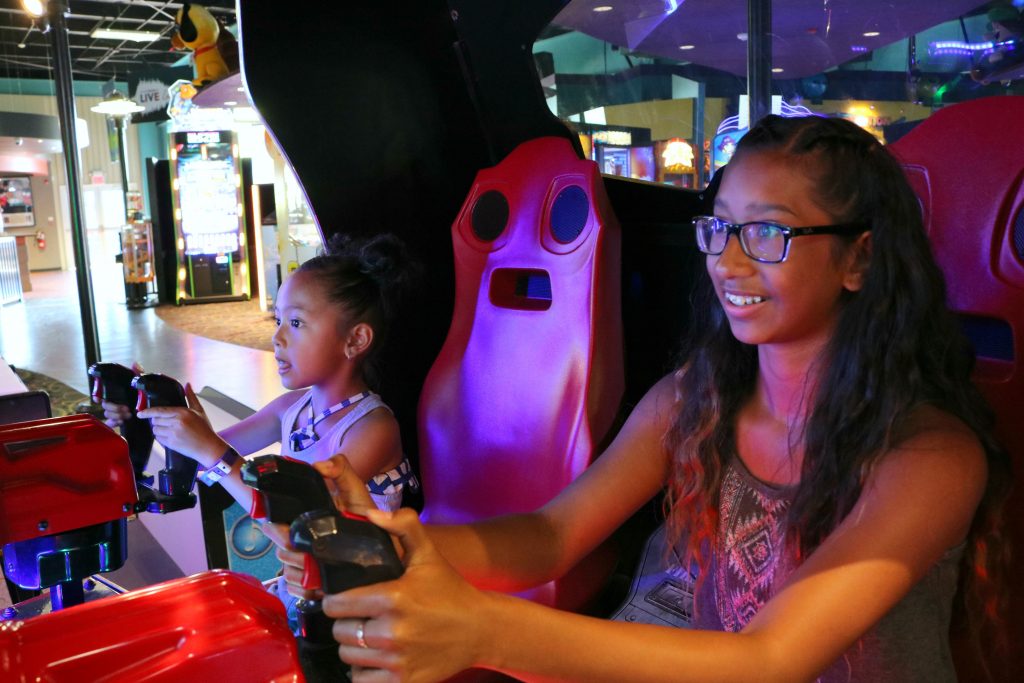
(787, 379)
(327, 394)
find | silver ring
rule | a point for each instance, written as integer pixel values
(361, 633)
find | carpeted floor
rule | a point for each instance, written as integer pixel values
(235, 322)
(63, 399)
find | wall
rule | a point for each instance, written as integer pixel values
(95, 157)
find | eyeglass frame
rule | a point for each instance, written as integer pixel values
(788, 233)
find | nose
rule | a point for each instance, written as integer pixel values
(732, 260)
(278, 338)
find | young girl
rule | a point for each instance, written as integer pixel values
(827, 463)
(331, 316)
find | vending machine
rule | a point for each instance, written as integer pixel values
(209, 217)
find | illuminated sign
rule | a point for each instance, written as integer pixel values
(612, 137)
(204, 138)
(678, 156)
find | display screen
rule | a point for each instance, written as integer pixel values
(641, 163)
(16, 202)
(208, 194)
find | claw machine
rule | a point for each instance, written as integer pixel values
(209, 217)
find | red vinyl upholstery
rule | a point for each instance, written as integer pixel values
(966, 163)
(214, 626)
(530, 376)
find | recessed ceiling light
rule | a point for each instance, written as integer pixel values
(119, 34)
(603, 8)
(686, 47)
(35, 8)
(230, 103)
(742, 36)
(870, 34)
(777, 70)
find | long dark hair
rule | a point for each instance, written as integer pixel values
(368, 279)
(895, 348)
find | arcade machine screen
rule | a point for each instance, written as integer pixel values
(209, 217)
(641, 163)
(613, 160)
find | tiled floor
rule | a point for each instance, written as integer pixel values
(44, 334)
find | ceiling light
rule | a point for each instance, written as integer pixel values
(777, 70)
(603, 8)
(121, 34)
(116, 104)
(870, 34)
(230, 103)
(34, 8)
(741, 36)
(686, 47)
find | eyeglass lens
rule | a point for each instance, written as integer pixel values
(760, 241)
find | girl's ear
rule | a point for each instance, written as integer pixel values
(358, 341)
(858, 260)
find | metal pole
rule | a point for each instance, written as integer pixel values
(698, 133)
(67, 113)
(122, 148)
(759, 58)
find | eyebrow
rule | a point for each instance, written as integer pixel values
(754, 206)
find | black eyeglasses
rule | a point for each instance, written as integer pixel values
(762, 241)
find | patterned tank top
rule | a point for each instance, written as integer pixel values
(751, 562)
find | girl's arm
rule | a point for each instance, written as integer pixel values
(917, 503)
(520, 551)
(373, 444)
(188, 431)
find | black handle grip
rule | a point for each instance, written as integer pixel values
(349, 550)
(286, 488)
(179, 474)
(113, 382)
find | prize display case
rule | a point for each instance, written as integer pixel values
(137, 261)
(209, 217)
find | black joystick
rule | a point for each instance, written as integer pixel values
(113, 382)
(286, 490)
(176, 480)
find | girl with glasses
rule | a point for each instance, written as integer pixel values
(828, 470)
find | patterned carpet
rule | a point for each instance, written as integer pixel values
(235, 322)
(63, 399)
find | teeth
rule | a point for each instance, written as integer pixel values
(743, 300)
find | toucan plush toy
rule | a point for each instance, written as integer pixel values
(214, 49)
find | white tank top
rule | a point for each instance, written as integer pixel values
(385, 487)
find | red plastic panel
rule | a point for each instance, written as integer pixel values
(60, 474)
(215, 626)
(530, 376)
(966, 162)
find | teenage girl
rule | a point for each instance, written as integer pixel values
(331, 316)
(826, 460)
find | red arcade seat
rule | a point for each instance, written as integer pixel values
(530, 377)
(966, 163)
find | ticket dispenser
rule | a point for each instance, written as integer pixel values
(530, 376)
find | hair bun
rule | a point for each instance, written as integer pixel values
(383, 258)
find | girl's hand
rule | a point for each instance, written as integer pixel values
(186, 430)
(116, 414)
(422, 627)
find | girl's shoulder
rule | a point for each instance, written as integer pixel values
(280, 405)
(932, 442)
